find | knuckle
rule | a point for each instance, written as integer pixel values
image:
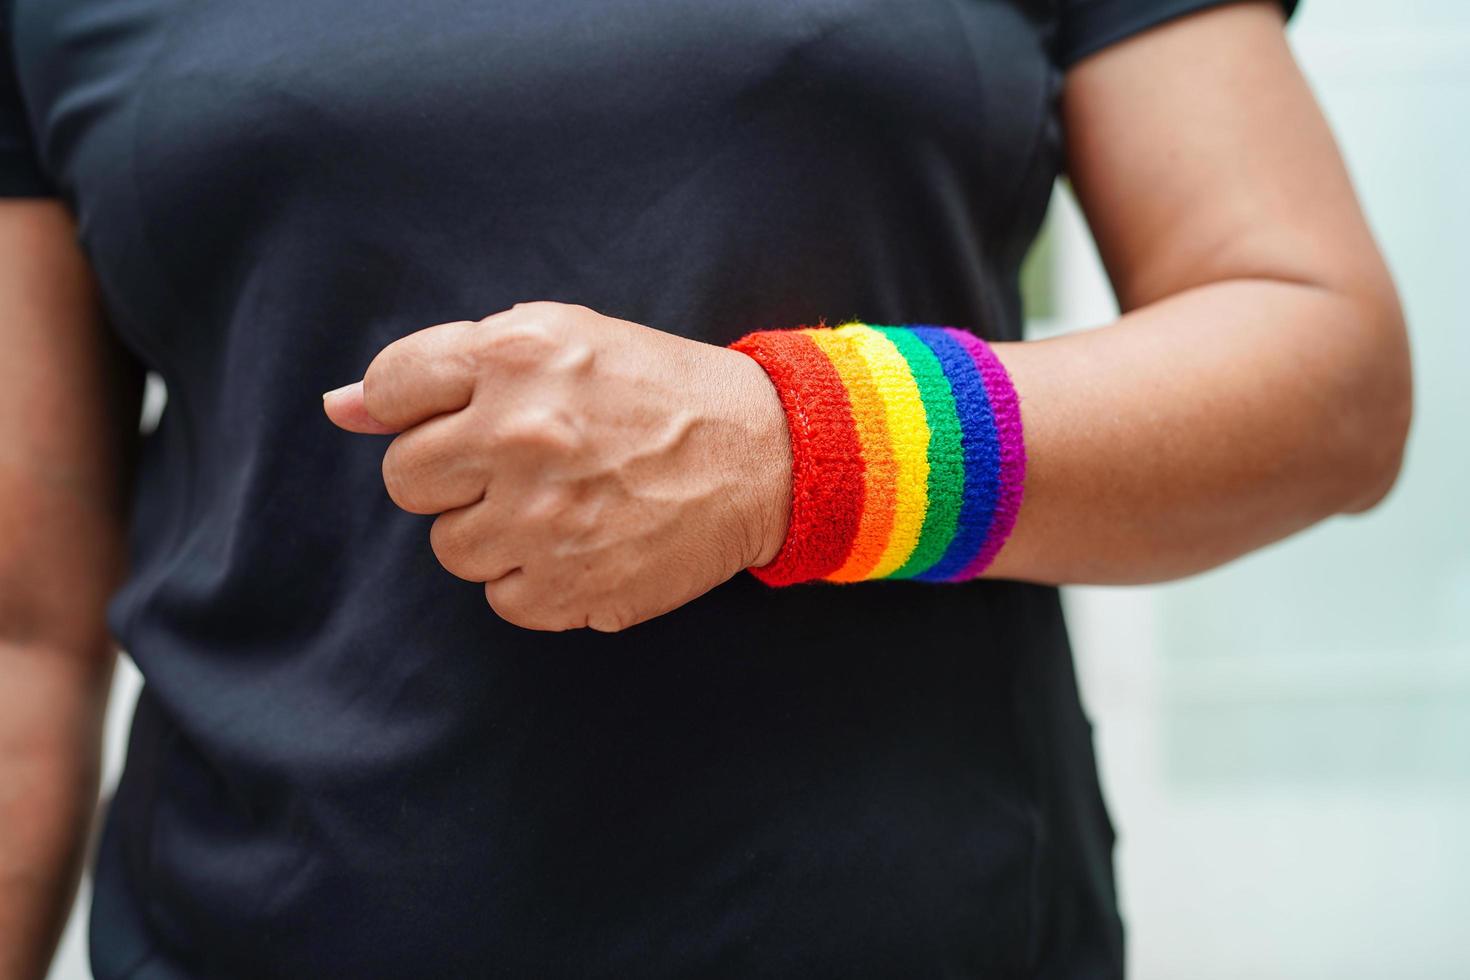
(535, 329)
(502, 602)
(450, 548)
(541, 427)
(608, 621)
(543, 336)
(396, 482)
(523, 602)
(376, 384)
(402, 476)
(546, 507)
(578, 529)
(520, 349)
(512, 605)
(396, 458)
(548, 307)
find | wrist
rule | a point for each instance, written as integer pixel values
(772, 507)
(764, 457)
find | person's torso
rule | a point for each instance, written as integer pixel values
(347, 764)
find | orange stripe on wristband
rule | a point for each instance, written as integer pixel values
(880, 470)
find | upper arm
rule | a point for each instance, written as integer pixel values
(68, 423)
(1198, 154)
(69, 398)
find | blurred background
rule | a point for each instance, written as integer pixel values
(1285, 741)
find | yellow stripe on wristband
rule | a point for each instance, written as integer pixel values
(908, 430)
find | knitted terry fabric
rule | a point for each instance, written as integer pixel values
(908, 457)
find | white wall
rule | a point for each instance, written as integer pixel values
(1285, 741)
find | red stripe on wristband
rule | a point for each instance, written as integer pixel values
(826, 457)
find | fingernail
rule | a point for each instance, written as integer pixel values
(342, 390)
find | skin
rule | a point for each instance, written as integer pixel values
(592, 472)
(70, 400)
(595, 472)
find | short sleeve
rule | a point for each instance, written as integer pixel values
(1088, 26)
(21, 174)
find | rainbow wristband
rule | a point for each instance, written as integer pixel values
(907, 453)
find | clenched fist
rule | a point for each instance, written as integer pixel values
(592, 472)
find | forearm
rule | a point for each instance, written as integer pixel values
(56, 658)
(51, 713)
(1203, 426)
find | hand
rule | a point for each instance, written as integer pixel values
(590, 471)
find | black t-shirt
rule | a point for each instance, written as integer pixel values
(343, 763)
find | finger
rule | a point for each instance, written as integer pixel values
(467, 543)
(345, 408)
(422, 375)
(517, 599)
(434, 466)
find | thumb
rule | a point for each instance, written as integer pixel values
(344, 406)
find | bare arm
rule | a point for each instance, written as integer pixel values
(68, 409)
(1259, 378)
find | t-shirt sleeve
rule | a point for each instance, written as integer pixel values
(1088, 26)
(21, 174)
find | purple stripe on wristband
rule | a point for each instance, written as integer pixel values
(1006, 410)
